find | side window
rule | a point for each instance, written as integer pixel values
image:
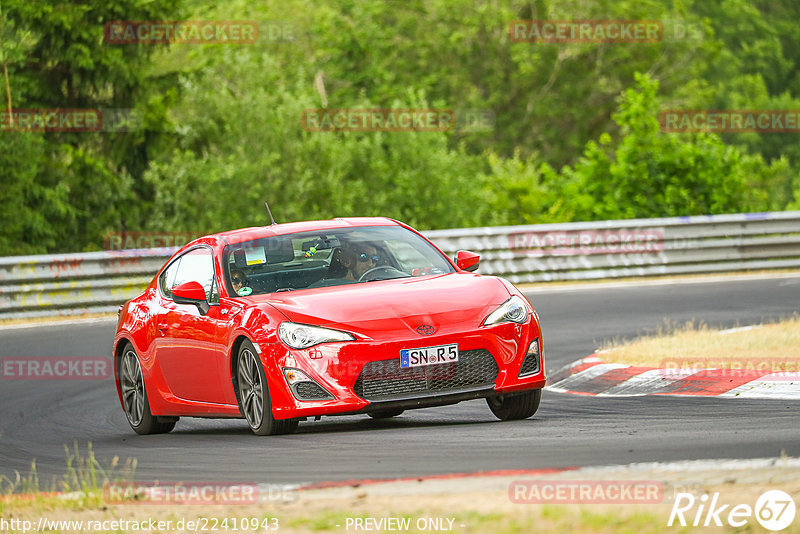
(167, 279)
(194, 266)
(214, 298)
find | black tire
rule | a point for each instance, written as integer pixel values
(385, 414)
(253, 395)
(515, 405)
(134, 397)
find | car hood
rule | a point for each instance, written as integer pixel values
(450, 303)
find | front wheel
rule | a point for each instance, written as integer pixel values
(254, 401)
(134, 397)
(513, 406)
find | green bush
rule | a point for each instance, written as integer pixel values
(654, 174)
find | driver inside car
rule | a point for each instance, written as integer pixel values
(357, 259)
(239, 282)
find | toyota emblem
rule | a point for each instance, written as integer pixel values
(426, 330)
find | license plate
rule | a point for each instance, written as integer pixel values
(428, 355)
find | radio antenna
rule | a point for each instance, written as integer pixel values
(271, 218)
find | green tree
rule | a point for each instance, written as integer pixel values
(653, 174)
(234, 153)
(57, 59)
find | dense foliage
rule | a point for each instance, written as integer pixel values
(217, 127)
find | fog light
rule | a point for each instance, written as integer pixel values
(530, 365)
(303, 387)
(293, 376)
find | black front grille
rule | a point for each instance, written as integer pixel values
(311, 391)
(385, 379)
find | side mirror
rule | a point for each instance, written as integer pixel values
(191, 293)
(467, 261)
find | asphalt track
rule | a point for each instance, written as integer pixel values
(38, 418)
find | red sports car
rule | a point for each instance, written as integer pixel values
(284, 322)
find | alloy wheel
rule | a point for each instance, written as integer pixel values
(251, 388)
(132, 385)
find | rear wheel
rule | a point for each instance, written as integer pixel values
(385, 414)
(515, 405)
(254, 401)
(134, 397)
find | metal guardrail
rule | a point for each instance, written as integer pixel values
(75, 284)
(634, 247)
(96, 282)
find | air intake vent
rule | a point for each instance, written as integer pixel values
(385, 379)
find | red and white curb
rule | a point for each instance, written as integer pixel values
(593, 376)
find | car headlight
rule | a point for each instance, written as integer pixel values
(302, 336)
(514, 310)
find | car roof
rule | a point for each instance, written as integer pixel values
(257, 232)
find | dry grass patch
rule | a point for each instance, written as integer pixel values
(475, 505)
(774, 347)
(471, 512)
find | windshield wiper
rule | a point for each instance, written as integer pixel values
(284, 289)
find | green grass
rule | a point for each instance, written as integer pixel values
(85, 476)
(82, 482)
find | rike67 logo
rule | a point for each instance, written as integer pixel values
(774, 510)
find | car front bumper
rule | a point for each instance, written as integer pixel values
(365, 375)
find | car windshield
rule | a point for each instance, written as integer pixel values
(333, 257)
